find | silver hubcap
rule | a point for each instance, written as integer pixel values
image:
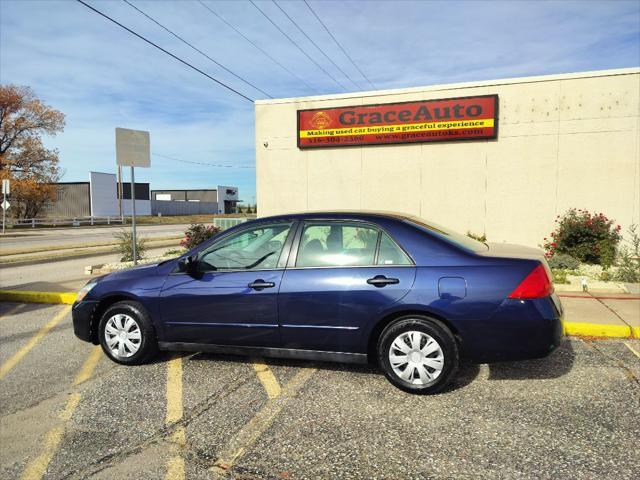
(416, 357)
(123, 336)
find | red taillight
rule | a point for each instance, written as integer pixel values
(535, 285)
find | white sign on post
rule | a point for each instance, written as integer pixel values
(133, 149)
(5, 186)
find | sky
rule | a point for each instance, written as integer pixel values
(103, 77)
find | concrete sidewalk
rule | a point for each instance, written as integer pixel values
(601, 314)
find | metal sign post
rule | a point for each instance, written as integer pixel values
(5, 205)
(134, 247)
(120, 194)
(133, 149)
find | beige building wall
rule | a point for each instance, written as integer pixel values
(564, 141)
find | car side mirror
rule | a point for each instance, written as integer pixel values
(188, 265)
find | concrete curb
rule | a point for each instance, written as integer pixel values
(25, 296)
(577, 329)
(580, 329)
(61, 255)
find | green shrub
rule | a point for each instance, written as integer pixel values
(562, 260)
(173, 252)
(605, 276)
(590, 238)
(559, 275)
(481, 238)
(125, 246)
(629, 258)
(196, 234)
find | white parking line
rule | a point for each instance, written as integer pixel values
(633, 350)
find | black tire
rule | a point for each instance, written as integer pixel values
(148, 344)
(434, 329)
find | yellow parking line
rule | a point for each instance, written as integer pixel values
(633, 350)
(89, 366)
(36, 468)
(175, 464)
(267, 378)
(19, 355)
(248, 434)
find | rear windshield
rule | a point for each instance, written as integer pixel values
(448, 235)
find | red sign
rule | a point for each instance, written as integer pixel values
(451, 119)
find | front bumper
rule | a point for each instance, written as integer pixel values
(83, 321)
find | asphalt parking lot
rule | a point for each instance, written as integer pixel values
(67, 412)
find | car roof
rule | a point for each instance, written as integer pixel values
(337, 214)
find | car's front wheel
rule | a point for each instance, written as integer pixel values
(418, 354)
(126, 333)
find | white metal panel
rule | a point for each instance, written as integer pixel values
(103, 193)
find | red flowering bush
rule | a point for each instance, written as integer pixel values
(589, 237)
(196, 234)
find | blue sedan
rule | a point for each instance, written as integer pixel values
(391, 289)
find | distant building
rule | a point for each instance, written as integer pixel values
(222, 200)
(99, 198)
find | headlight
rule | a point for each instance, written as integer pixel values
(86, 289)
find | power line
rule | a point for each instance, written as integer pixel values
(196, 49)
(255, 45)
(165, 51)
(297, 46)
(315, 44)
(206, 164)
(338, 43)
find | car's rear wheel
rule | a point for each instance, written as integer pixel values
(126, 333)
(418, 354)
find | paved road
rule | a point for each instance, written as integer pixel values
(57, 276)
(68, 412)
(59, 237)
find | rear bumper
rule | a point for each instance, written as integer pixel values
(519, 330)
(82, 314)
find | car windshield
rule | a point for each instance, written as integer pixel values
(448, 235)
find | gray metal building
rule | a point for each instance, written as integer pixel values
(99, 198)
(73, 200)
(201, 195)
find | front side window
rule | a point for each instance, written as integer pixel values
(258, 248)
(337, 245)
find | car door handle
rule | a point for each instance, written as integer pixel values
(261, 284)
(380, 281)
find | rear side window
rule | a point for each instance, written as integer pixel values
(448, 235)
(337, 245)
(390, 253)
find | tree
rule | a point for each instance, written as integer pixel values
(32, 168)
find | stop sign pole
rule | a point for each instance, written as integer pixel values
(5, 205)
(133, 149)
